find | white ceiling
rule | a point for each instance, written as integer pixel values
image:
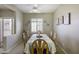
(42, 8)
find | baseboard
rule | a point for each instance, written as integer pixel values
(63, 50)
(61, 47)
(10, 49)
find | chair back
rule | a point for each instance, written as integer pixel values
(39, 46)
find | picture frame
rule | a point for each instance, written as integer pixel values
(57, 21)
(61, 20)
(67, 19)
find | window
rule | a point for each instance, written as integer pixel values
(37, 24)
(1, 39)
(8, 24)
(6, 28)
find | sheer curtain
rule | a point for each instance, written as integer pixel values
(6, 28)
(36, 25)
(1, 32)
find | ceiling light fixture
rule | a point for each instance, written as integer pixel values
(35, 6)
(35, 9)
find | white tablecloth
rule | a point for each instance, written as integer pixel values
(51, 44)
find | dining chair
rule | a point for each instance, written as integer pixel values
(44, 47)
(51, 35)
(24, 37)
(34, 47)
(39, 46)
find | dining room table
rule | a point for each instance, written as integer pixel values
(45, 37)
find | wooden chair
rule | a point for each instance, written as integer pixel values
(39, 46)
(24, 37)
(51, 35)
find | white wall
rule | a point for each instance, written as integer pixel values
(48, 17)
(68, 35)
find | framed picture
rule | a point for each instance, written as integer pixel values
(61, 20)
(57, 21)
(67, 18)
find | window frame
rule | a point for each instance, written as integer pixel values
(13, 25)
(37, 20)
